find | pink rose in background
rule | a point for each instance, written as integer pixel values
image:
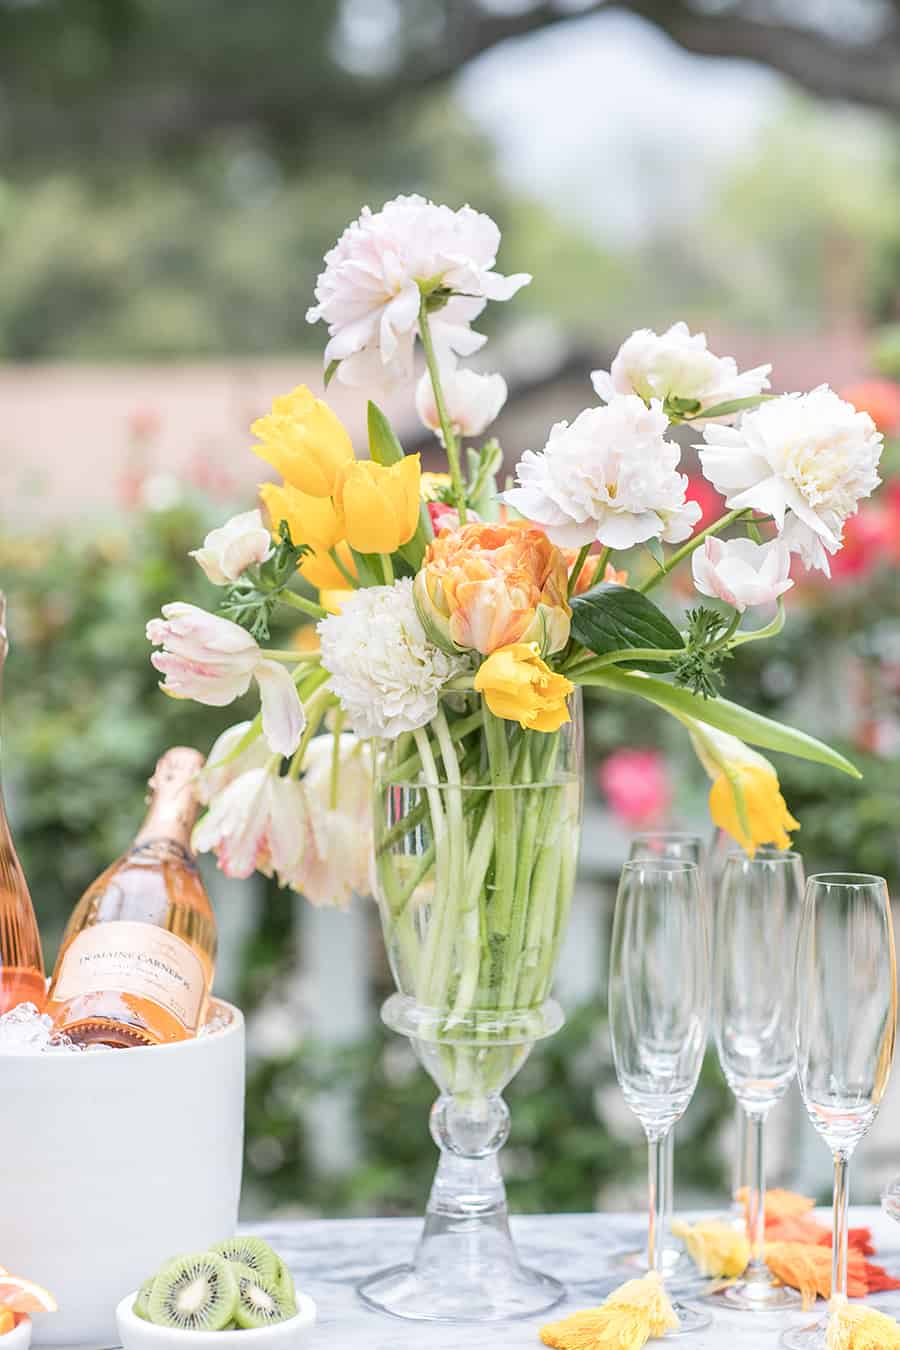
(636, 785)
(867, 538)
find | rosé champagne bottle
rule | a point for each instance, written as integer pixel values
(137, 958)
(21, 962)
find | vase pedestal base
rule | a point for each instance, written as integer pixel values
(465, 1270)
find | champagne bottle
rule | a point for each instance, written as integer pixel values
(138, 955)
(21, 962)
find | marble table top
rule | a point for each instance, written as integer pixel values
(329, 1257)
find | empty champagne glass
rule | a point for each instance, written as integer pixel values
(755, 930)
(677, 846)
(659, 1015)
(846, 1017)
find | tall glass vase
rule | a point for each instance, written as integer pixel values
(476, 842)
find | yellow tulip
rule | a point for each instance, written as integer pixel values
(745, 799)
(315, 522)
(379, 504)
(519, 686)
(303, 439)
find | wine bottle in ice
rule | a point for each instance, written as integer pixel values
(21, 962)
(137, 958)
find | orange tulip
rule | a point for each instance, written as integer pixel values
(488, 586)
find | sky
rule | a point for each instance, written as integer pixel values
(608, 116)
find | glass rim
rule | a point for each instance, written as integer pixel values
(855, 880)
(781, 855)
(428, 785)
(661, 864)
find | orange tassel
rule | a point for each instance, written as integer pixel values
(804, 1228)
(808, 1268)
(860, 1329)
(628, 1319)
(779, 1204)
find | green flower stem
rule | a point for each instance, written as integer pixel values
(505, 813)
(522, 896)
(345, 572)
(578, 565)
(532, 892)
(760, 634)
(289, 657)
(472, 906)
(406, 770)
(451, 445)
(419, 812)
(590, 663)
(428, 976)
(300, 602)
(387, 568)
(316, 709)
(687, 549)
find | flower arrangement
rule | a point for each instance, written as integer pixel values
(426, 746)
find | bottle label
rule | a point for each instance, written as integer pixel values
(138, 959)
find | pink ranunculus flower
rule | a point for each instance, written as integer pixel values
(636, 785)
(235, 546)
(256, 824)
(213, 661)
(742, 573)
(371, 289)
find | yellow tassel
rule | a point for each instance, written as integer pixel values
(716, 1249)
(858, 1328)
(628, 1319)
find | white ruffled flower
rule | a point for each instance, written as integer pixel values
(220, 770)
(677, 365)
(370, 291)
(230, 550)
(742, 573)
(336, 865)
(212, 660)
(609, 476)
(385, 672)
(805, 459)
(258, 823)
(473, 401)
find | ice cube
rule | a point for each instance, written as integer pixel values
(25, 1031)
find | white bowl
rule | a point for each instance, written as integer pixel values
(19, 1338)
(136, 1334)
(114, 1162)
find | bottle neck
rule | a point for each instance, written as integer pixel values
(173, 801)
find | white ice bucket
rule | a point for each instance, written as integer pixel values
(112, 1162)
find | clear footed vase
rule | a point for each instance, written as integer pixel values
(476, 844)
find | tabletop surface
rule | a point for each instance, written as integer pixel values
(329, 1257)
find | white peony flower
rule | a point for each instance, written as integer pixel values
(385, 672)
(742, 573)
(220, 770)
(473, 400)
(259, 822)
(610, 475)
(677, 365)
(805, 459)
(212, 660)
(228, 551)
(370, 291)
(336, 865)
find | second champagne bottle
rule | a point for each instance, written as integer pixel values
(138, 955)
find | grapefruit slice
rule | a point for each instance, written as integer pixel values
(22, 1296)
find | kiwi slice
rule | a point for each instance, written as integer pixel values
(286, 1287)
(141, 1303)
(260, 1302)
(252, 1252)
(194, 1293)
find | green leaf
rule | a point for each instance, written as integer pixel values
(383, 444)
(655, 549)
(330, 372)
(734, 405)
(719, 712)
(611, 618)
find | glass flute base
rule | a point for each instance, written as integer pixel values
(674, 1260)
(806, 1338)
(690, 1319)
(760, 1296)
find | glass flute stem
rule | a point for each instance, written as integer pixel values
(840, 1220)
(669, 1150)
(756, 1210)
(656, 1188)
(741, 1174)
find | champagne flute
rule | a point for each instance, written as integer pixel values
(678, 846)
(846, 1018)
(754, 1017)
(659, 1015)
